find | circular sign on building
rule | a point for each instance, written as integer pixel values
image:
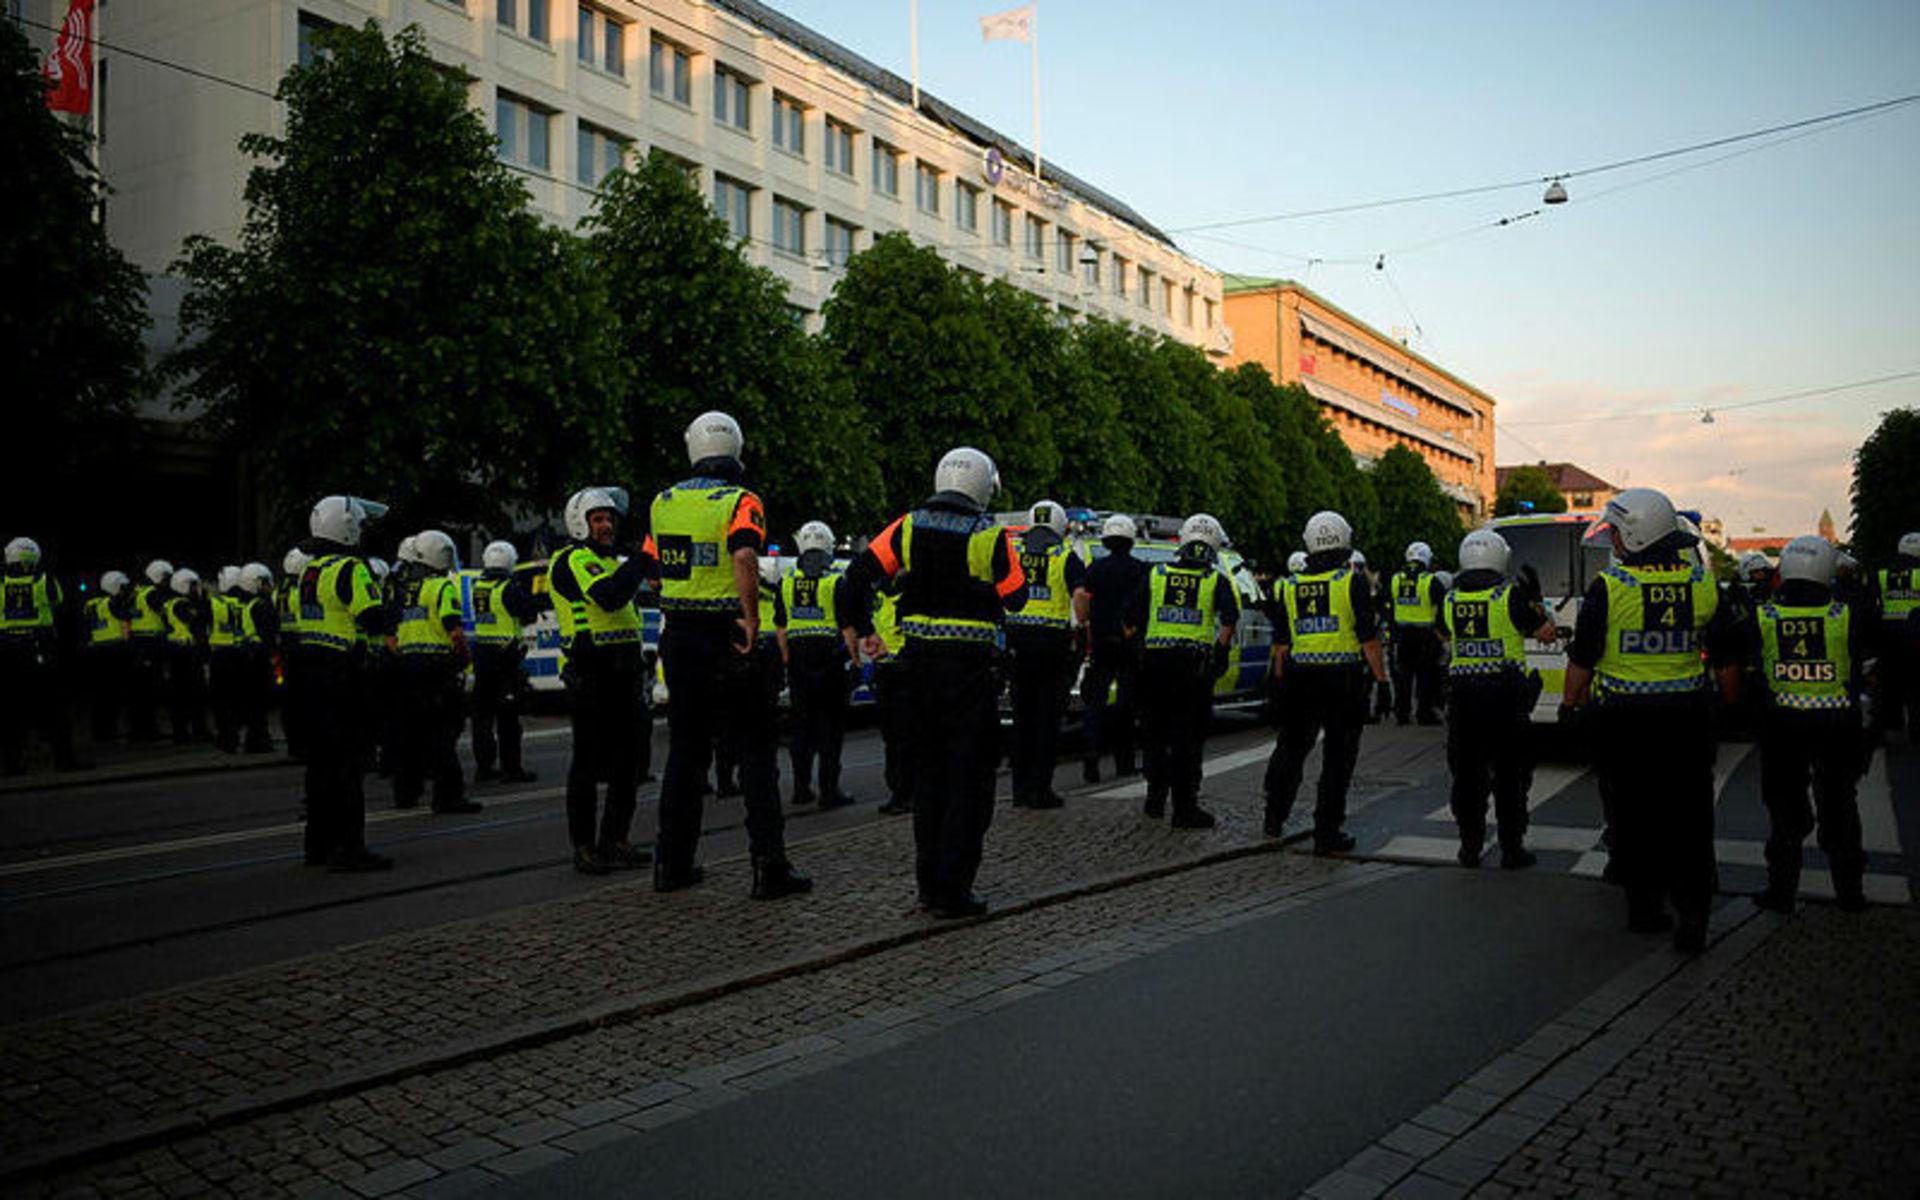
(994, 166)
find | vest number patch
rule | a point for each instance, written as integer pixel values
(1665, 607)
(1803, 639)
(1470, 619)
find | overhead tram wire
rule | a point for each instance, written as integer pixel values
(1807, 394)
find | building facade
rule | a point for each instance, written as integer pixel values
(1375, 391)
(807, 150)
(1583, 489)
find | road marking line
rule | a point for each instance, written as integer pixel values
(1135, 789)
(1548, 781)
(1879, 828)
(260, 833)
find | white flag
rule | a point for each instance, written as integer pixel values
(1013, 25)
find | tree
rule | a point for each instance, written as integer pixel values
(700, 328)
(1886, 487)
(72, 308)
(1412, 509)
(1528, 490)
(395, 321)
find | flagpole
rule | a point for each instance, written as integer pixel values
(913, 36)
(1034, 41)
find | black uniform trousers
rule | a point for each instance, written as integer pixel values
(1655, 759)
(226, 688)
(953, 699)
(429, 715)
(30, 698)
(1176, 685)
(1416, 672)
(1107, 692)
(186, 692)
(1896, 701)
(1315, 700)
(716, 692)
(108, 664)
(601, 683)
(256, 696)
(1823, 749)
(384, 725)
(1043, 662)
(817, 687)
(498, 687)
(1487, 750)
(146, 669)
(893, 697)
(333, 703)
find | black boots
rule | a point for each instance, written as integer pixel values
(774, 877)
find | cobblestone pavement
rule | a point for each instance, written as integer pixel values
(348, 1017)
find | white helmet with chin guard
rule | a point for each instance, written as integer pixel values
(1484, 550)
(583, 502)
(255, 578)
(437, 551)
(1327, 530)
(1119, 525)
(1806, 558)
(1296, 562)
(23, 552)
(184, 582)
(714, 435)
(294, 564)
(1045, 514)
(113, 582)
(1421, 553)
(227, 580)
(814, 535)
(1205, 529)
(499, 556)
(157, 571)
(1640, 517)
(341, 518)
(1910, 545)
(969, 472)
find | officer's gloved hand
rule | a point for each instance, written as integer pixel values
(1530, 584)
(1222, 658)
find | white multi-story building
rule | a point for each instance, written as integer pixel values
(807, 150)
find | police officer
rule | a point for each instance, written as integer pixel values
(1326, 647)
(108, 620)
(1416, 596)
(1755, 577)
(398, 584)
(501, 605)
(29, 660)
(340, 611)
(708, 533)
(818, 648)
(958, 577)
(289, 608)
(148, 662)
(227, 657)
(1897, 699)
(259, 629)
(433, 660)
(1636, 650)
(892, 697)
(1108, 688)
(1040, 639)
(592, 590)
(187, 618)
(1379, 703)
(1185, 614)
(1810, 646)
(1486, 620)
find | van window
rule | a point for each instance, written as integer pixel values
(1549, 550)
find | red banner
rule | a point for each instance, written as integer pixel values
(69, 69)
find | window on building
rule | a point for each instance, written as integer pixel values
(525, 17)
(1063, 248)
(839, 150)
(789, 226)
(1002, 223)
(886, 169)
(1036, 239)
(1209, 309)
(966, 207)
(1090, 264)
(926, 188)
(1167, 305)
(603, 41)
(840, 241)
(1186, 307)
(1119, 276)
(596, 153)
(670, 72)
(732, 99)
(310, 27)
(522, 128)
(1146, 289)
(733, 200)
(789, 124)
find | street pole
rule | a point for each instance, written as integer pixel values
(1034, 41)
(913, 40)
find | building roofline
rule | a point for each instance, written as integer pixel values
(1241, 285)
(788, 30)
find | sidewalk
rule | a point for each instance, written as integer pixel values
(129, 762)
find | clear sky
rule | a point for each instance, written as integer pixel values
(1777, 271)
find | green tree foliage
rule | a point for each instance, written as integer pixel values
(395, 321)
(1528, 490)
(72, 308)
(1412, 508)
(699, 328)
(1886, 487)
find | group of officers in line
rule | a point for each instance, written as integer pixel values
(930, 602)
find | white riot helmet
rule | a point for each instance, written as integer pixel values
(1205, 529)
(1421, 553)
(1296, 562)
(184, 581)
(769, 575)
(409, 551)
(585, 501)
(1810, 558)
(499, 556)
(339, 518)
(714, 435)
(436, 550)
(1755, 566)
(1910, 545)
(1119, 525)
(1845, 565)
(814, 535)
(378, 568)
(1484, 550)
(1640, 517)
(1446, 580)
(1356, 559)
(113, 582)
(23, 552)
(294, 564)
(1045, 514)
(157, 571)
(254, 578)
(227, 580)
(969, 472)
(1327, 531)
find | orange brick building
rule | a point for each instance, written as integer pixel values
(1374, 390)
